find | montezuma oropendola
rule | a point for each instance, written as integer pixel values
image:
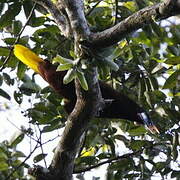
(120, 106)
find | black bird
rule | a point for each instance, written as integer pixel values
(118, 105)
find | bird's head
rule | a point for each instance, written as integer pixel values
(29, 58)
(144, 118)
(46, 69)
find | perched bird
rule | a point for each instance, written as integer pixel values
(118, 106)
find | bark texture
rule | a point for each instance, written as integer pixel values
(134, 22)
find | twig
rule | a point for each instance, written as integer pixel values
(58, 15)
(18, 37)
(37, 141)
(83, 144)
(92, 9)
(77, 171)
(10, 175)
(40, 142)
(22, 130)
(36, 147)
(116, 11)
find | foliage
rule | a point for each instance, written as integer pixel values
(149, 62)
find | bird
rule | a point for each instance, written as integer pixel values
(117, 105)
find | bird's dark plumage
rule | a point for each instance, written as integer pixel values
(117, 105)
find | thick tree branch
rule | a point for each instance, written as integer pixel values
(75, 12)
(87, 105)
(58, 16)
(138, 20)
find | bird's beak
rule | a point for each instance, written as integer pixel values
(153, 129)
(148, 123)
(28, 57)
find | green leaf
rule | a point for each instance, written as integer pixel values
(41, 9)
(16, 139)
(176, 33)
(147, 94)
(51, 128)
(103, 72)
(9, 15)
(72, 54)
(82, 80)
(38, 21)
(174, 147)
(4, 94)
(3, 157)
(9, 41)
(173, 60)
(39, 157)
(49, 30)
(172, 80)
(158, 96)
(18, 154)
(29, 87)
(16, 27)
(175, 174)
(62, 60)
(157, 29)
(64, 67)
(4, 51)
(70, 75)
(1, 80)
(8, 79)
(137, 144)
(137, 131)
(3, 166)
(18, 96)
(121, 138)
(12, 63)
(123, 164)
(2, 7)
(21, 70)
(27, 6)
(87, 160)
(130, 5)
(141, 88)
(153, 82)
(111, 64)
(160, 166)
(174, 50)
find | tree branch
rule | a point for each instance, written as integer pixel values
(138, 20)
(92, 9)
(58, 16)
(75, 12)
(22, 163)
(88, 102)
(118, 158)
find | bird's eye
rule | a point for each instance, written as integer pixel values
(145, 118)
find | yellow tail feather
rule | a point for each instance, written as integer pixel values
(28, 57)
